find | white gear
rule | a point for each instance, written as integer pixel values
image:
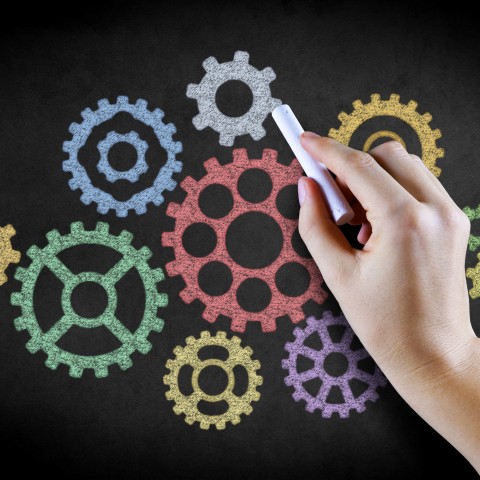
(205, 92)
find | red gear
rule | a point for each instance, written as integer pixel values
(188, 266)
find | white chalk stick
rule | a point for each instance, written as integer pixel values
(291, 129)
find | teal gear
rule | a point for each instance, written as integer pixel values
(473, 240)
(48, 257)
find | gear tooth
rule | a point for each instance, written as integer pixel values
(143, 346)
(15, 256)
(226, 139)
(122, 100)
(178, 350)
(8, 230)
(20, 275)
(412, 105)
(427, 117)
(66, 147)
(177, 166)
(77, 228)
(268, 74)
(177, 148)
(440, 152)
(87, 200)
(258, 380)
(248, 351)
(192, 90)
(103, 103)
(204, 425)
(296, 395)
(210, 64)
(52, 363)
(16, 298)
(270, 155)
(159, 114)
(173, 209)
(53, 236)
(144, 253)
(141, 104)
(212, 165)
(141, 208)
(241, 56)
(87, 114)
(296, 316)
(76, 371)
(256, 364)
(187, 296)
(248, 410)
(172, 268)
(102, 208)
(170, 364)
(190, 340)
(73, 184)
(343, 117)
(437, 134)
(170, 186)
(74, 128)
(395, 98)
(357, 104)
(220, 425)
(311, 322)
(168, 239)
(177, 410)
(285, 364)
(126, 237)
(274, 103)
(162, 300)
(188, 183)
(33, 252)
(205, 334)
(170, 128)
(375, 97)
(210, 314)
(33, 346)
(169, 395)
(200, 122)
(236, 419)
(102, 228)
(101, 372)
(125, 363)
(236, 340)
(222, 335)
(157, 325)
(257, 132)
(240, 156)
(158, 275)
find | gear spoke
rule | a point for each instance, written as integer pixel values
(58, 268)
(307, 375)
(118, 329)
(58, 330)
(120, 269)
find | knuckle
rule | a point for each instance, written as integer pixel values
(456, 220)
(361, 159)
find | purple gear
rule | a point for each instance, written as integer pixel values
(295, 379)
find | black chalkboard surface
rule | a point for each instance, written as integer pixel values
(325, 56)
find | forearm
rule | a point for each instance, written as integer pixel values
(444, 390)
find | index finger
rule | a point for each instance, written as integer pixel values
(374, 187)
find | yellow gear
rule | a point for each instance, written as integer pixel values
(392, 108)
(474, 275)
(7, 254)
(237, 405)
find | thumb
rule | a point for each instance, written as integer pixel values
(324, 240)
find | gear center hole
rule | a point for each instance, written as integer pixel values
(213, 380)
(122, 156)
(89, 299)
(234, 98)
(335, 364)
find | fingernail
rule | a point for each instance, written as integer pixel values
(310, 135)
(302, 190)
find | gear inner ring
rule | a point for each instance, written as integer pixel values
(213, 362)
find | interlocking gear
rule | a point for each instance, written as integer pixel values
(132, 174)
(188, 404)
(7, 254)
(205, 93)
(474, 275)
(393, 108)
(47, 340)
(140, 200)
(297, 380)
(189, 266)
(473, 240)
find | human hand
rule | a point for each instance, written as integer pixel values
(404, 294)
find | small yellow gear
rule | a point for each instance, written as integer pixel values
(237, 405)
(392, 108)
(474, 275)
(7, 254)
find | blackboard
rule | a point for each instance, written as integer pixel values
(325, 56)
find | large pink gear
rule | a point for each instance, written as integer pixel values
(189, 266)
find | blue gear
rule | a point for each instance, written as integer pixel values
(132, 174)
(80, 178)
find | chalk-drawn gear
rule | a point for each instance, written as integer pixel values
(47, 340)
(216, 75)
(188, 404)
(473, 240)
(132, 174)
(7, 254)
(140, 200)
(189, 266)
(393, 108)
(319, 401)
(474, 275)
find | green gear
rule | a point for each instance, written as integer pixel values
(47, 257)
(473, 240)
